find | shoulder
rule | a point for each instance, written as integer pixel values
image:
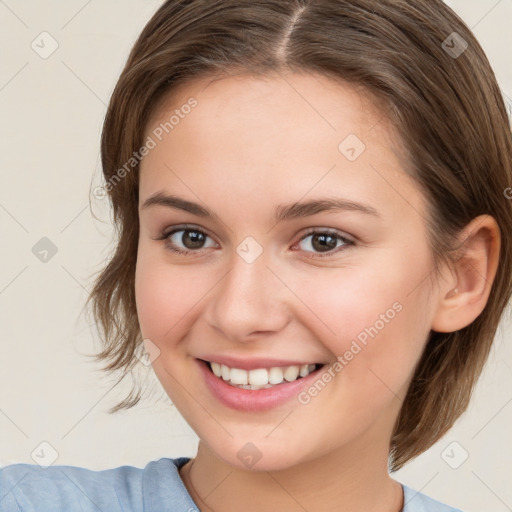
(31, 488)
(417, 502)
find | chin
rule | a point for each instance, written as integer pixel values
(263, 455)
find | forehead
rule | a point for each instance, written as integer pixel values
(324, 103)
(277, 135)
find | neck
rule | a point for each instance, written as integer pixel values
(354, 480)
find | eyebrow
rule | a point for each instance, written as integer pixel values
(283, 212)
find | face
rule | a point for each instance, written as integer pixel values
(232, 270)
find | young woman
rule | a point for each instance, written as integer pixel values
(314, 249)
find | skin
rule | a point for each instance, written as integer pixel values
(252, 144)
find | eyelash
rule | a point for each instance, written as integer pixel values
(313, 231)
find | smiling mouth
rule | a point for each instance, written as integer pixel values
(261, 378)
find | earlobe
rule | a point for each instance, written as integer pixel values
(463, 297)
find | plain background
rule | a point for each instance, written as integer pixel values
(51, 116)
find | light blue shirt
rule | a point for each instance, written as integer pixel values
(155, 488)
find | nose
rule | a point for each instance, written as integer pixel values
(249, 301)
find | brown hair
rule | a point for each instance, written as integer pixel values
(447, 109)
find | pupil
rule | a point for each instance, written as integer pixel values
(197, 239)
(326, 242)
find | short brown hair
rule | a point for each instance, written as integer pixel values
(446, 107)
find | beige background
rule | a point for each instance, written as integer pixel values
(51, 115)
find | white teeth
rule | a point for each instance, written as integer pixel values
(238, 376)
(291, 373)
(257, 377)
(216, 369)
(250, 386)
(225, 372)
(260, 378)
(275, 375)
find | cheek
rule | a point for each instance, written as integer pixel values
(160, 296)
(377, 318)
(166, 294)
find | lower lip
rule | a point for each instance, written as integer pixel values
(254, 400)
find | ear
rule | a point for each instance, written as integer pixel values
(464, 295)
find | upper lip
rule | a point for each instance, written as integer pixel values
(254, 363)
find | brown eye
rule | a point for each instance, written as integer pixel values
(187, 240)
(192, 239)
(318, 242)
